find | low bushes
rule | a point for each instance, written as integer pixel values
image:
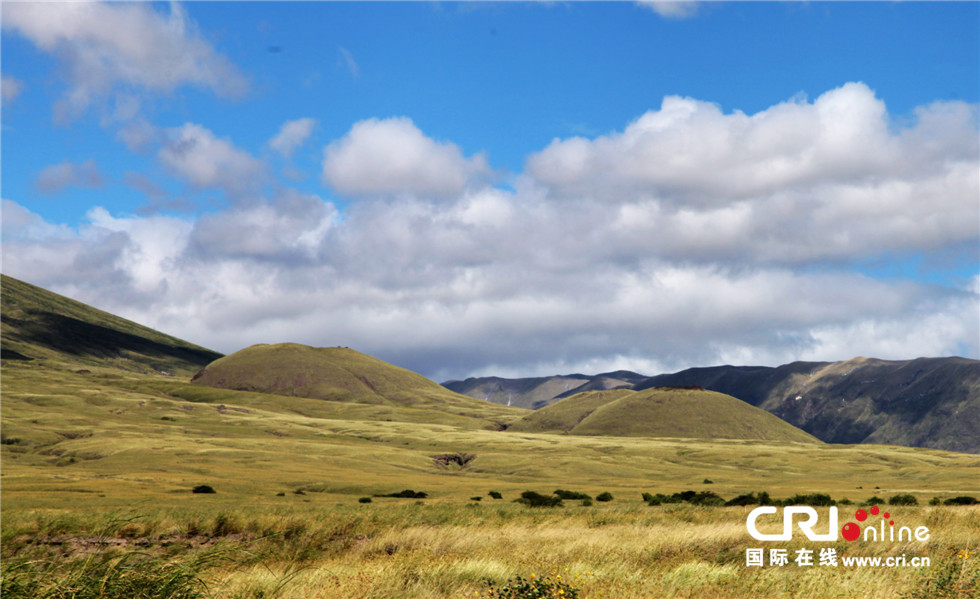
(532, 499)
(407, 494)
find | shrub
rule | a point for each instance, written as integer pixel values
(962, 500)
(407, 493)
(815, 499)
(708, 481)
(364, 500)
(281, 494)
(874, 500)
(743, 499)
(518, 587)
(587, 502)
(203, 489)
(604, 496)
(706, 498)
(903, 500)
(935, 501)
(476, 498)
(647, 497)
(495, 495)
(532, 499)
(571, 494)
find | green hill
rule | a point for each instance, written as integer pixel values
(660, 412)
(40, 325)
(538, 392)
(339, 374)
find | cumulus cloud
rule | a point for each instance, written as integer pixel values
(692, 237)
(197, 156)
(292, 135)
(107, 45)
(56, 177)
(797, 182)
(392, 156)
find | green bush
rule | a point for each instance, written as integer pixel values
(495, 495)
(479, 498)
(532, 499)
(874, 500)
(587, 502)
(364, 500)
(604, 496)
(407, 493)
(903, 500)
(203, 489)
(708, 481)
(518, 587)
(935, 501)
(962, 500)
(814, 499)
(571, 494)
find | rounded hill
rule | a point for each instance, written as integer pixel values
(333, 373)
(660, 412)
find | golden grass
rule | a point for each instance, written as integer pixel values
(113, 456)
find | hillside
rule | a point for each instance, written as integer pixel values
(338, 374)
(40, 325)
(927, 402)
(659, 412)
(538, 392)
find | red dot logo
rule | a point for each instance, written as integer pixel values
(851, 531)
(861, 515)
(874, 511)
(886, 515)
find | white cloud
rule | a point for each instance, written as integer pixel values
(349, 63)
(105, 45)
(798, 182)
(197, 156)
(292, 135)
(56, 177)
(599, 258)
(10, 88)
(392, 156)
(671, 9)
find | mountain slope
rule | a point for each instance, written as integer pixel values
(927, 402)
(338, 374)
(538, 392)
(40, 325)
(660, 412)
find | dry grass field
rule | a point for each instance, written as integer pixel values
(98, 469)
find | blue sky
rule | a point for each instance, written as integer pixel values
(515, 188)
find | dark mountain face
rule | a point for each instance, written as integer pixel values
(538, 392)
(927, 402)
(39, 324)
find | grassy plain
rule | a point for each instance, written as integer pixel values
(100, 465)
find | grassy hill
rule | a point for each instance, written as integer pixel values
(660, 412)
(927, 402)
(340, 374)
(40, 325)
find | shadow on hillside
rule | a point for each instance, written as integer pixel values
(80, 338)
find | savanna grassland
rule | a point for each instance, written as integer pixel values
(98, 469)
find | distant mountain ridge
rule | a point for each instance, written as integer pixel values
(538, 392)
(925, 402)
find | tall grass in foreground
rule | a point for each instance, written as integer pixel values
(392, 549)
